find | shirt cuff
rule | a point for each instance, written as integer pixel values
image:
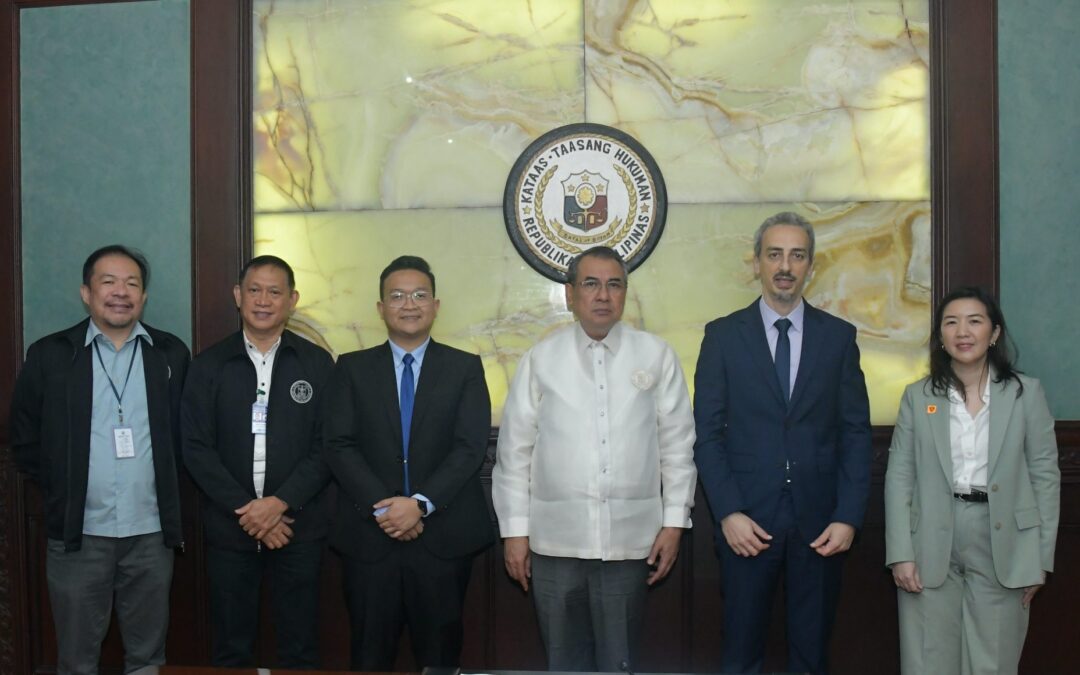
(514, 527)
(677, 516)
(430, 504)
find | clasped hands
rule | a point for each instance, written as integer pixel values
(264, 519)
(747, 538)
(402, 519)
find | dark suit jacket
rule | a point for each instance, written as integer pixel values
(219, 446)
(50, 425)
(448, 442)
(746, 434)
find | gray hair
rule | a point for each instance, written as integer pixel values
(784, 218)
(602, 252)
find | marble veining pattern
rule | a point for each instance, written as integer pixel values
(384, 127)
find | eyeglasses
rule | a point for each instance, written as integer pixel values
(397, 299)
(592, 286)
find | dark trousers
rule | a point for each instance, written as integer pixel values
(811, 585)
(412, 587)
(136, 572)
(590, 612)
(235, 581)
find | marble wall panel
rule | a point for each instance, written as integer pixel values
(867, 270)
(768, 100)
(385, 127)
(379, 104)
(382, 103)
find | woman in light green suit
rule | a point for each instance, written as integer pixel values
(971, 497)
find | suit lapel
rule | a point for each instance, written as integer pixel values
(808, 356)
(939, 428)
(1002, 400)
(429, 376)
(752, 331)
(386, 381)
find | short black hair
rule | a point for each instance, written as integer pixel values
(267, 260)
(407, 262)
(602, 252)
(117, 249)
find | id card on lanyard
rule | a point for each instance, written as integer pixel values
(123, 436)
(260, 413)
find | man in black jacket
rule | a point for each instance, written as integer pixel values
(251, 439)
(94, 423)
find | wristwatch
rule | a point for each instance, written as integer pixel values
(423, 506)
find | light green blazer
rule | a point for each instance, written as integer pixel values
(1023, 482)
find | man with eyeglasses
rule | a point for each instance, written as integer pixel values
(594, 478)
(407, 426)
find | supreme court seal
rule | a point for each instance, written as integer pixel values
(579, 186)
(301, 391)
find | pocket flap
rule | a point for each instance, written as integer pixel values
(1026, 518)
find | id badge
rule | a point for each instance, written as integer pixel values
(123, 442)
(260, 412)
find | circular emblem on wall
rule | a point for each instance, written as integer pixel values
(301, 391)
(580, 186)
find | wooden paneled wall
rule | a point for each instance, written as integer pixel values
(684, 620)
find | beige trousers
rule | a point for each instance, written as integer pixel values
(971, 624)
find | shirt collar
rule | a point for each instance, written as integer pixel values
(253, 348)
(770, 315)
(92, 331)
(611, 341)
(954, 395)
(418, 353)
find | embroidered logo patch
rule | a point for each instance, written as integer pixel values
(931, 409)
(301, 391)
(642, 379)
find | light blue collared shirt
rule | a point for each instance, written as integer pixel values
(121, 494)
(399, 368)
(399, 363)
(795, 332)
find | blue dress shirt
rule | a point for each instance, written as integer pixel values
(399, 366)
(121, 493)
(795, 332)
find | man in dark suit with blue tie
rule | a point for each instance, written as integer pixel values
(406, 427)
(783, 453)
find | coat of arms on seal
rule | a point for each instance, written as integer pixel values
(580, 186)
(301, 391)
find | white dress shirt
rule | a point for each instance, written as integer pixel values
(769, 317)
(264, 368)
(595, 450)
(969, 438)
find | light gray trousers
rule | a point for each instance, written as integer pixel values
(590, 612)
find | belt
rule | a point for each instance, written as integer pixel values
(973, 496)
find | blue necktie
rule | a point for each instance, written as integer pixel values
(408, 395)
(783, 357)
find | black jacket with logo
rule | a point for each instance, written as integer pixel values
(50, 425)
(219, 447)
